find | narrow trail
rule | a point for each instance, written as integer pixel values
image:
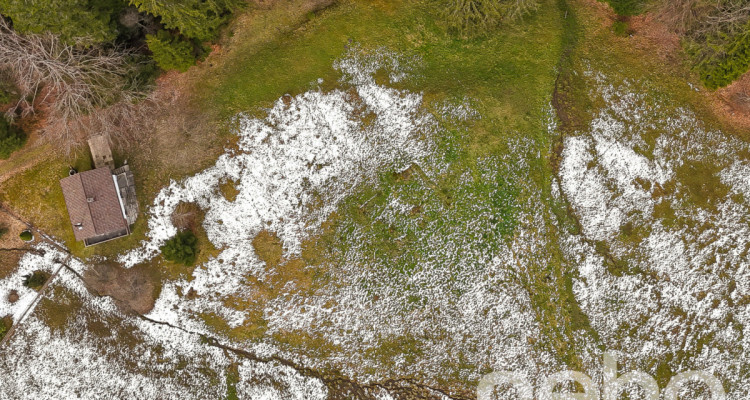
(40, 293)
(33, 304)
(339, 386)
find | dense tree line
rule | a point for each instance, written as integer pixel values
(89, 64)
(85, 22)
(715, 35)
(173, 25)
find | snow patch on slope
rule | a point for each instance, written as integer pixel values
(294, 166)
(676, 277)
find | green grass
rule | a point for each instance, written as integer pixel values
(5, 324)
(627, 7)
(508, 71)
(59, 308)
(509, 77)
(620, 28)
(665, 88)
(35, 194)
(233, 378)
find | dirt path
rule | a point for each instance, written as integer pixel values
(47, 239)
(339, 386)
(34, 303)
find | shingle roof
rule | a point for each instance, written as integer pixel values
(93, 203)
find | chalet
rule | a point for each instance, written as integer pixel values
(101, 202)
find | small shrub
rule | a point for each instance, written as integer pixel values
(170, 52)
(182, 248)
(620, 28)
(721, 58)
(473, 18)
(627, 7)
(36, 280)
(6, 89)
(3, 230)
(11, 138)
(5, 96)
(26, 236)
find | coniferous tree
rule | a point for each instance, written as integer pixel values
(182, 248)
(81, 22)
(169, 52)
(195, 19)
(11, 138)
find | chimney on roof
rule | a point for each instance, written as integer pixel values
(90, 199)
(79, 226)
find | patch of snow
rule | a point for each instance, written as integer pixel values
(676, 290)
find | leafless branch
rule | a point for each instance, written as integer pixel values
(76, 89)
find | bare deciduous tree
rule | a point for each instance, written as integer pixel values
(679, 15)
(81, 91)
(518, 8)
(478, 17)
(731, 17)
(702, 18)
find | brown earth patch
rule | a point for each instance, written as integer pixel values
(187, 216)
(268, 247)
(59, 309)
(132, 289)
(11, 246)
(12, 228)
(181, 139)
(601, 11)
(655, 37)
(229, 190)
(732, 103)
(283, 276)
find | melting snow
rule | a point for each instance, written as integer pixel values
(680, 287)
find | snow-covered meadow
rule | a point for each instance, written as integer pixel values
(101, 353)
(663, 255)
(437, 265)
(311, 156)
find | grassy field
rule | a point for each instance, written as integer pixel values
(500, 168)
(663, 90)
(508, 78)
